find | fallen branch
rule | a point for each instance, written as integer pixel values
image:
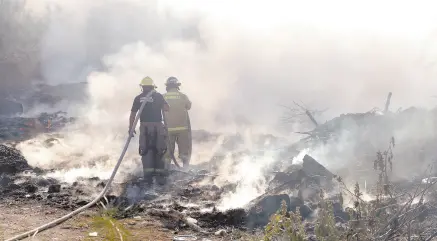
(387, 102)
(311, 117)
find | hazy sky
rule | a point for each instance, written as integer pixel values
(247, 57)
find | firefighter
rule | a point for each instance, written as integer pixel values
(153, 134)
(178, 121)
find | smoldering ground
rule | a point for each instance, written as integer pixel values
(237, 60)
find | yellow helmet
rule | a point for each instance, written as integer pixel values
(147, 81)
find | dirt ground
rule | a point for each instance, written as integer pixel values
(16, 217)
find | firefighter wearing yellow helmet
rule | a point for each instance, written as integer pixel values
(153, 134)
(178, 121)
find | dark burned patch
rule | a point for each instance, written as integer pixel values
(191, 192)
(230, 218)
(130, 212)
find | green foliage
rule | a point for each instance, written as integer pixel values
(108, 227)
(325, 227)
(285, 225)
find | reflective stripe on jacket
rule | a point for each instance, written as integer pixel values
(154, 170)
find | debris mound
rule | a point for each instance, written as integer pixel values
(11, 161)
(24, 128)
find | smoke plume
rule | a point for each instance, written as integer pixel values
(237, 61)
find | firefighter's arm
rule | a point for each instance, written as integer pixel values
(188, 103)
(165, 106)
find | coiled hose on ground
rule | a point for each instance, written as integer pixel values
(58, 221)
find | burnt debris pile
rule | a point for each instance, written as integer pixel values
(193, 199)
(11, 161)
(373, 125)
(186, 201)
(21, 182)
(23, 128)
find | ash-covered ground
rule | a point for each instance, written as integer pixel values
(236, 180)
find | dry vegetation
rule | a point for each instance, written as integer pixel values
(394, 214)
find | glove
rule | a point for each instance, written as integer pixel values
(134, 132)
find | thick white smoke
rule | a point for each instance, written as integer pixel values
(241, 57)
(235, 59)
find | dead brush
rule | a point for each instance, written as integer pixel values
(393, 215)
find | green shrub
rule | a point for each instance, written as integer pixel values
(285, 225)
(325, 227)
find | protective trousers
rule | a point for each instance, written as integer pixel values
(153, 146)
(183, 139)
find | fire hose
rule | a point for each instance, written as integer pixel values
(58, 221)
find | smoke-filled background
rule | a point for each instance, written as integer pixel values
(243, 57)
(237, 61)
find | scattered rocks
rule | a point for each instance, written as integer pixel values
(55, 188)
(31, 188)
(220, 233)
(43, 182)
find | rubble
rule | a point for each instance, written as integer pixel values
(23, 128)
(55, 188)
(51, 95)
(190, 200)
(259, 214)
(220, 233)
(11, 161)
(31, 188)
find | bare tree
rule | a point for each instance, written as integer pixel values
(300, 114)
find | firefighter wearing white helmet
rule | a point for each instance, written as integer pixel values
(178, 121)
(153, 134)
